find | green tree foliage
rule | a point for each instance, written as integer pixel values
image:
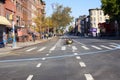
(61, 16)
(39, 20)
(112, 8)
(71, 28)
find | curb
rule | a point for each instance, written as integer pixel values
(21, 47)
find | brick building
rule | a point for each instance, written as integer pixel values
(21, 12)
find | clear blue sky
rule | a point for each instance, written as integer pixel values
(79, 7)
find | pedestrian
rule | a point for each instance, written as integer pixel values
(4, 39)
(46, 35)
(33, 37)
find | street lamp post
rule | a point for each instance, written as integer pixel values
(33, 24)
(116, 26)
(13, 30)
(14, 36)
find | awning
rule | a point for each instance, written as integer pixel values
(4, 21)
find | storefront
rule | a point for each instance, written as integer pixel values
(5, 27)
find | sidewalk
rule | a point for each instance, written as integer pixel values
(21, 45)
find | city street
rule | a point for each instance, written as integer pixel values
(85, 59)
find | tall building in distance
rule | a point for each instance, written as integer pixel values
(97, 16)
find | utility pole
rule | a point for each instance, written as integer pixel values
(117, 30)
(11, 17)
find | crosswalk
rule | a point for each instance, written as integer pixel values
(42, 49)
(73, 48)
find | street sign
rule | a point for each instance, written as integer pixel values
(93, 29)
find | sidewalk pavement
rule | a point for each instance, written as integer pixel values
(21, 45)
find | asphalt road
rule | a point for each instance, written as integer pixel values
(85, 59)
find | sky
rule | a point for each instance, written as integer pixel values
(78, 7)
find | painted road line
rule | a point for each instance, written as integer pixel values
(30, 49)
(78, 42)
(69, 45)
(63, 48)
(74, 48)
(43, 59)
(82, 64)
(98, 48)
(75, 53)
(42, 49)
(62, 56)
(86, 48)
(113, 46)
(106, 47)
(47, 54)
(30, 77)
(78, 57)
(53, 48)
(38, 65)
(88, 77)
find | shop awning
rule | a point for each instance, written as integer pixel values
(4, 21)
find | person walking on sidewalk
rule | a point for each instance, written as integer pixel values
(33, 36)
(46, 35)
(4, 39)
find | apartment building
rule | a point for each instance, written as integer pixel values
(97, 16)
(21, 12)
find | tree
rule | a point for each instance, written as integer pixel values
(112, 8)
(71, 29)
(61, 17)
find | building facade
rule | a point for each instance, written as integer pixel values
(97, 16)
(21, 12)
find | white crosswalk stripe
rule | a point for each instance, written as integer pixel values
(63, 48)
(86, 48)
(82, 64)
(53, 48)
(113, 46)
(30, 77)
(74, 48)
(96, 47)
(43, 48)
(105, 47)
(31, 49)
(88, 77)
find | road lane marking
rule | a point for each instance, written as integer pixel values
(63, 48)
(30, 77)
(88, 77)
(30, 49)
(47, 54)
(78, 42)
(78, 57)
(62, 56)
(98, 48)
(38, 65)
(53, 48)
(113, 46)
(82, 64)
(74, 48)
(106, 47)
(42, 49)
(69, 45)
(86, 48)
(75, 53)
(43, 59)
